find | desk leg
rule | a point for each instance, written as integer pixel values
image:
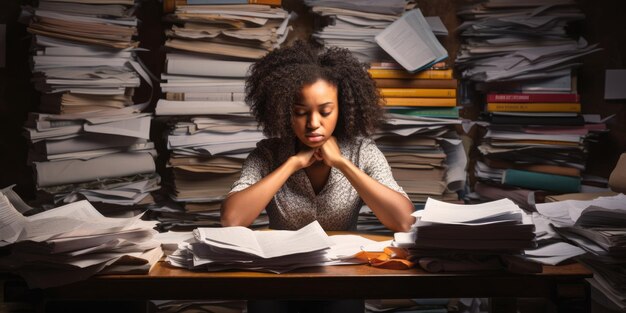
(504, 305)
(573, 298)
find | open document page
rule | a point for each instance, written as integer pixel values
(266, 244)
(411, 42)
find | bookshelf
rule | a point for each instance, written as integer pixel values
(17, 95)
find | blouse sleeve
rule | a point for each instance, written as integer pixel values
(376, 166)
(255, 167)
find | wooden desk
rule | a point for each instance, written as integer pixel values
(332, 282)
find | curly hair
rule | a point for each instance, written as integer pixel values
(276, 81)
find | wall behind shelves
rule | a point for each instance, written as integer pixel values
(604, 24)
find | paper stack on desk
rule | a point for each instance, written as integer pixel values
(276, 251)
(494, 226)
(72, 242)
(599, 227)
(454, 237)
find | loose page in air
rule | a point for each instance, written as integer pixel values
(411, 42)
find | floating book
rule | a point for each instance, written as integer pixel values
(411, 42)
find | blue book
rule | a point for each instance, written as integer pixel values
(542, 181)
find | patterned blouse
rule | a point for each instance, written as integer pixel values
(295, 205)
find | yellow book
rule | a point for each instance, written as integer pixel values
(418, 92)
(421, 102)
(425, 74)
(533, 107)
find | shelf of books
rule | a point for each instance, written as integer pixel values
(89, 140)
(419, 138)
(211, 131)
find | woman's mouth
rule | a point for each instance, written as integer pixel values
(314, 137)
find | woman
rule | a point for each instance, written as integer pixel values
(316, 107)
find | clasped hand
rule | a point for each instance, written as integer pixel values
(328, 153)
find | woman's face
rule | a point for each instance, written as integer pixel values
(315, 114)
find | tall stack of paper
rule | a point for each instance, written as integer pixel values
(354, 24)
(521, 56)
(92, 141)
(72, 242)
(599, 227)
(457, 237)
(211, 130)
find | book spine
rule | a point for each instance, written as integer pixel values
(418, 92)
(175, 96)
(421, 102)
(451, 112)
(416, 83)
(532, 107)
(534, 180)
(266, 2)
(275, 3)
(526, 120)
(551, 169)
(426, 74)
(529, 97)
(170, 6)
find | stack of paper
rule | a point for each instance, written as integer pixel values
(426, 158)
(354, 25)
(507, 40)
(107, 159)
(91, 141)
(494, 226)
(373, 32)
(527, 158)
(599, 227)
(211, 130)
(277, 251)
(521, 56)
(73, 242)
(207, 153)
(425, 154)
(243, 31)
(460, 237)
(84, 55)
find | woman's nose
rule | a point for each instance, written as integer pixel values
(313, 121)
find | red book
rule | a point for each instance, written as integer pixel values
(532, 97)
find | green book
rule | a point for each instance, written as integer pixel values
(534, 180)
(451, 112)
